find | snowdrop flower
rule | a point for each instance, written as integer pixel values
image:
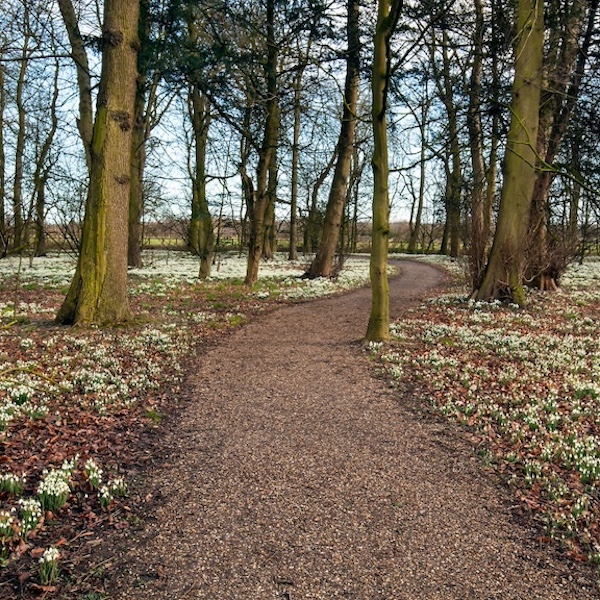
(48, 566)
(30, 512)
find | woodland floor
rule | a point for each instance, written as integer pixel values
(294, 471)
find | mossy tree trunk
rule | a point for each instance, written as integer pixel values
(491, 176)
(98, 291)
(270, 237)
(504, 272)
(378, 329)
(322, 264)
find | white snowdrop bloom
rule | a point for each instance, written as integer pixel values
(50, 555)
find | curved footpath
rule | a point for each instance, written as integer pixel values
(298, 474)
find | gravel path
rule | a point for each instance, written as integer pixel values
(298, 474)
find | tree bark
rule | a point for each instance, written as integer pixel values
(378, 328)
(98, 292)
(504, 273)
(322, 264)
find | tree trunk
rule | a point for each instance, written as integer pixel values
(246, 181)
(138, 147)
(447, 193)
(492, 171)
(491, 174)
(40, 177)
(573, 232)
(445, 237)
(18, 209)
(98, 292)
(323, 262)
(478, 234)
(40, 215)
(270, 241)
(266, 152)
(454, 175)
(3, 238)
(201, 232)
(378, 329)
(353, 197)
(136, 188)
(144, 120)
(293, 251)
(453, 200)
(354, 228)
(504, 273)
(564, 70)
(415, 228)
(85, 123)
(311, 233)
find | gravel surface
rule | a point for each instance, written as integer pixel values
(297, 473)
